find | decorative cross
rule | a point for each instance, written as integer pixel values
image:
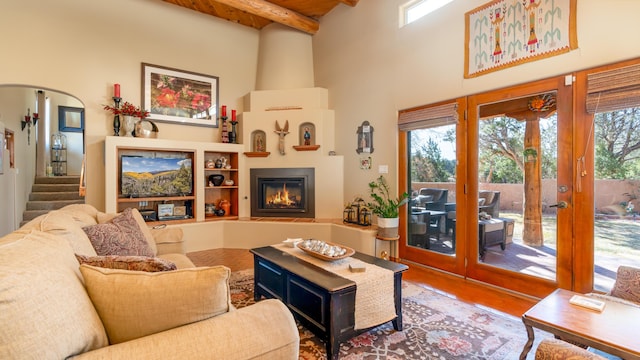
(282, 132)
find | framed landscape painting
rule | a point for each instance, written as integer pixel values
(179, 96)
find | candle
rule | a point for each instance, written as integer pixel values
(233, 115)
(224, 110)
(116, 90)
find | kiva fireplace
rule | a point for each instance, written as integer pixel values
(283, 192)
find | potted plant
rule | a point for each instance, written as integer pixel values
(385, 207)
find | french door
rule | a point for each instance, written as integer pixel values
(507, 218)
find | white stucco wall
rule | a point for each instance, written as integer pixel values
(373, 68)
(84, 47)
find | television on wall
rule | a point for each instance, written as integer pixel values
(155, 176)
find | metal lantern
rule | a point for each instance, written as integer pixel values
(58, 141)
(347, 215)
(365, 217)
(357, 213)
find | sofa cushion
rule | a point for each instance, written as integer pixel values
(133, 304)
(121, 236)
(627, 285)
(84, 214)
(137, 263)
(107, 217)
(45, 311)
(63, 224)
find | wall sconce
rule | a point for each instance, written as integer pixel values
(27, 123)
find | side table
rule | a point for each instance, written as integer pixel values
(392, 246)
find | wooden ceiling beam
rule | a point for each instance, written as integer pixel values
(351, 3)
(275, 13)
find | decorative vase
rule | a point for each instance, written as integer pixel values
(216, 179)
(129, 125)
(226, 206)
(388, 227)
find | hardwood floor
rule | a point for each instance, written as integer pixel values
(462, 289)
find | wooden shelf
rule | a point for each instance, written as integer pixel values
(200, 153)
(306, 147)
(256, 153)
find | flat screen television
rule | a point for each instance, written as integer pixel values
(155, 176)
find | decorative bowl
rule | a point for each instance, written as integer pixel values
(216, 179)
(302, 245)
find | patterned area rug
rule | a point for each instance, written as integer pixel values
(435, 327)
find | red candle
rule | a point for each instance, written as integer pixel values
(224, 110)
(116, 90)
(233, 115)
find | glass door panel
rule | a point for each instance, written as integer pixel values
(617, 194)
(517, 163)
(520, 188)
(432, 169)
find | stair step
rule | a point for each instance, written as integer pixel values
(54, 187)
(57, 180)
(29, 215)
(49, 196)
(51, 205)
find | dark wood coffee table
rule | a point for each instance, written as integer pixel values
(614, 330)
(324, 302)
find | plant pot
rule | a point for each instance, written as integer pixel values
(388, 227)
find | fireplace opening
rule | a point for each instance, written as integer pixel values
(286, 192)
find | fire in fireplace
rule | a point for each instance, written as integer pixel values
(285, 192)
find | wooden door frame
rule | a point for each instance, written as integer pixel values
(453, 264)
(523, 283)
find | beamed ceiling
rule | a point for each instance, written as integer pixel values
(298, 14)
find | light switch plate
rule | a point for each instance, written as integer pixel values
(383, 169)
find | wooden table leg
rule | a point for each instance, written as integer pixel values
(397, 298)
(529, 344)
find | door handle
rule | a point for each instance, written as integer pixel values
(560, 205)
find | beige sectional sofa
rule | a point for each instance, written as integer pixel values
(51, 307)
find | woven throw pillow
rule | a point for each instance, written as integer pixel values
(121, 236)
(627, 285)
(134, 304)
(107, 217)
(135, 263)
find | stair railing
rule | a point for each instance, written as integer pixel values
(82, 189)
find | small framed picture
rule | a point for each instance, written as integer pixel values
(165, 210)
(179, 210)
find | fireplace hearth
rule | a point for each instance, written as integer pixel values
(283, 192)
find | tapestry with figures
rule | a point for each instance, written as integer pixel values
(505, 33)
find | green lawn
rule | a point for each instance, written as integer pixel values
(613, 237)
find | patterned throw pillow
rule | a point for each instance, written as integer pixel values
(627, 285)
(136, 263)
(121, 236)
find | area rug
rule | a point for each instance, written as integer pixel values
(436, 326)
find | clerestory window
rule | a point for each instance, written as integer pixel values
(416, 9)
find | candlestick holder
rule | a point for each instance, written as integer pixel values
(233, 136)
(225, 131)
(116, 118)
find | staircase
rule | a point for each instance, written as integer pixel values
(51, 193)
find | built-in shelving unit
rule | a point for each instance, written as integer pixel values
(229, 192)
(189, 206)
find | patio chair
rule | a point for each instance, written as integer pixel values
(433, 199)
(489, 202)
(421, 227)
